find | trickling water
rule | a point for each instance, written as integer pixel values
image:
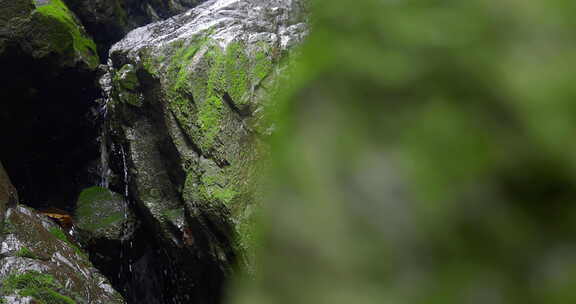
(105, 170)
(126, 255)
(125, 167)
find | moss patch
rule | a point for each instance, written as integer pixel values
(41, 287)
(209, 188)
(82, 45)
(59, 234)
(233, 71)
(25, 252)
(99, 211)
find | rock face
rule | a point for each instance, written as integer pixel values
(186, 101)
(45, 29)
(48, 70)
(105, 227)
(40, 264)
(8, 194)
(102, 214)
(109, 20)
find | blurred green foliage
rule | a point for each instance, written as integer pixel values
(425, 155)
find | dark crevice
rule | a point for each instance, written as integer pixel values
(241, 112)
(189, 143)
(48, 130)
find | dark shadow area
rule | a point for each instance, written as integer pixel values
(48, 129)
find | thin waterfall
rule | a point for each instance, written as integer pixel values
(107, 149)
(127, 200)
(105, 171)
(104, 155)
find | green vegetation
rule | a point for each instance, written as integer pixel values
(104, 222)
(233, 71)
(127, 83)
(25, 252)
(127, 78)
(86, 202)
(83, 45)
(41, 287)
(59, 234)
(96, 209)
(209, 188)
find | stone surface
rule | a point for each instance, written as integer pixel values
(186, 99)
(102, 214)
(204, 79)
(45, 30)
(39, 262)
(109, 20)
(34, 246)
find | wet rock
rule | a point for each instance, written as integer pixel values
(39, 263)
(192, 143)
(35, 249)
(45, 30)
(106, 227)
(109, 20)
(102, 214)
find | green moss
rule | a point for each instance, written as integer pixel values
(41, 287)
(212, 189)
(127, 78)
(85, 205)
(92, 210)
(59, 234)
(209, 118)
(58, 11)
(225, 195)
(233, 71)
(25, 252)
(105, 222)
(263, 64)
(126, 84)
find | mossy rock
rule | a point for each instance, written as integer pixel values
(101, 213)
(65, 33)
(41, 261)
(46, 30)
(127, 85)
(213, 84)
(43, 288)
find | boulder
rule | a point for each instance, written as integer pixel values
(109, 20)
(45, 30)
(187, 99)
(102, 214)
(40, 263)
